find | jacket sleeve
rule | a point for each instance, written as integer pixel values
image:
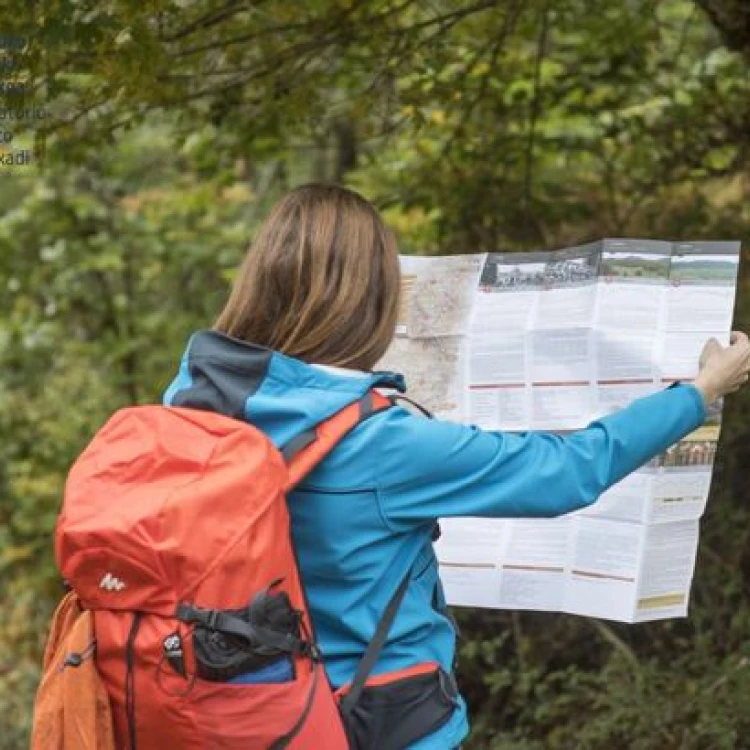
(431, 468)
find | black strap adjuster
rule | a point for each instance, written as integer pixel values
(448, 685)
(212, 619)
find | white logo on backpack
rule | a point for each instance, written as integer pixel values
(110, 583)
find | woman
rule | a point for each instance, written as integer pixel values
(312, 311)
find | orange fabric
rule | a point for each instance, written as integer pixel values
(254, 716)
(72, 710)
(388, 677)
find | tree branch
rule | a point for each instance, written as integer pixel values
(209, 19)
(541, 51)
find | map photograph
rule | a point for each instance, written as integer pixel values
(704, 269)
(513, 273)
(689, 453)
(572, 270)
(634, 266)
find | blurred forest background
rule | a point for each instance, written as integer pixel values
(474, 125)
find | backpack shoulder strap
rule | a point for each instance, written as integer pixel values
(399, 397)
(304, 451)
(370, 658)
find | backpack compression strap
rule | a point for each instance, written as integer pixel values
(303, 452)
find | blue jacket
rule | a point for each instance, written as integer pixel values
(363, 517)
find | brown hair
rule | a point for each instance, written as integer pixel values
(320, 282)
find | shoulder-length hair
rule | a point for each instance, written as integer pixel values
(320, 282)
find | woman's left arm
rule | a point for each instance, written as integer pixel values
(431, 468)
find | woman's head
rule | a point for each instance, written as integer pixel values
(320, 282)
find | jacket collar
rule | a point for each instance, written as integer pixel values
(279, 394)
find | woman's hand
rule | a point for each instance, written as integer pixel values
(723, 369)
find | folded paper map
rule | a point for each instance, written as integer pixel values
(551, 341)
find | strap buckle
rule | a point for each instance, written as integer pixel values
(310, 649)
(448, 685)
(190, 614)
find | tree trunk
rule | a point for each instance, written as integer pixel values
(732, 19)
(346, 148)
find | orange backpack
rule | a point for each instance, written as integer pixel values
(175, 537)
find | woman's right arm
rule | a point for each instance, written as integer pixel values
(431, 468)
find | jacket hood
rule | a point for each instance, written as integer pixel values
(280, 395)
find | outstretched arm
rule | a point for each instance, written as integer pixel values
(432, 469)
(435, 469)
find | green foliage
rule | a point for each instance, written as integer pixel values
(474, 125)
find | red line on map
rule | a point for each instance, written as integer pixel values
(496, 385)
(588, 574)
(561, 382)
(634, 381)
